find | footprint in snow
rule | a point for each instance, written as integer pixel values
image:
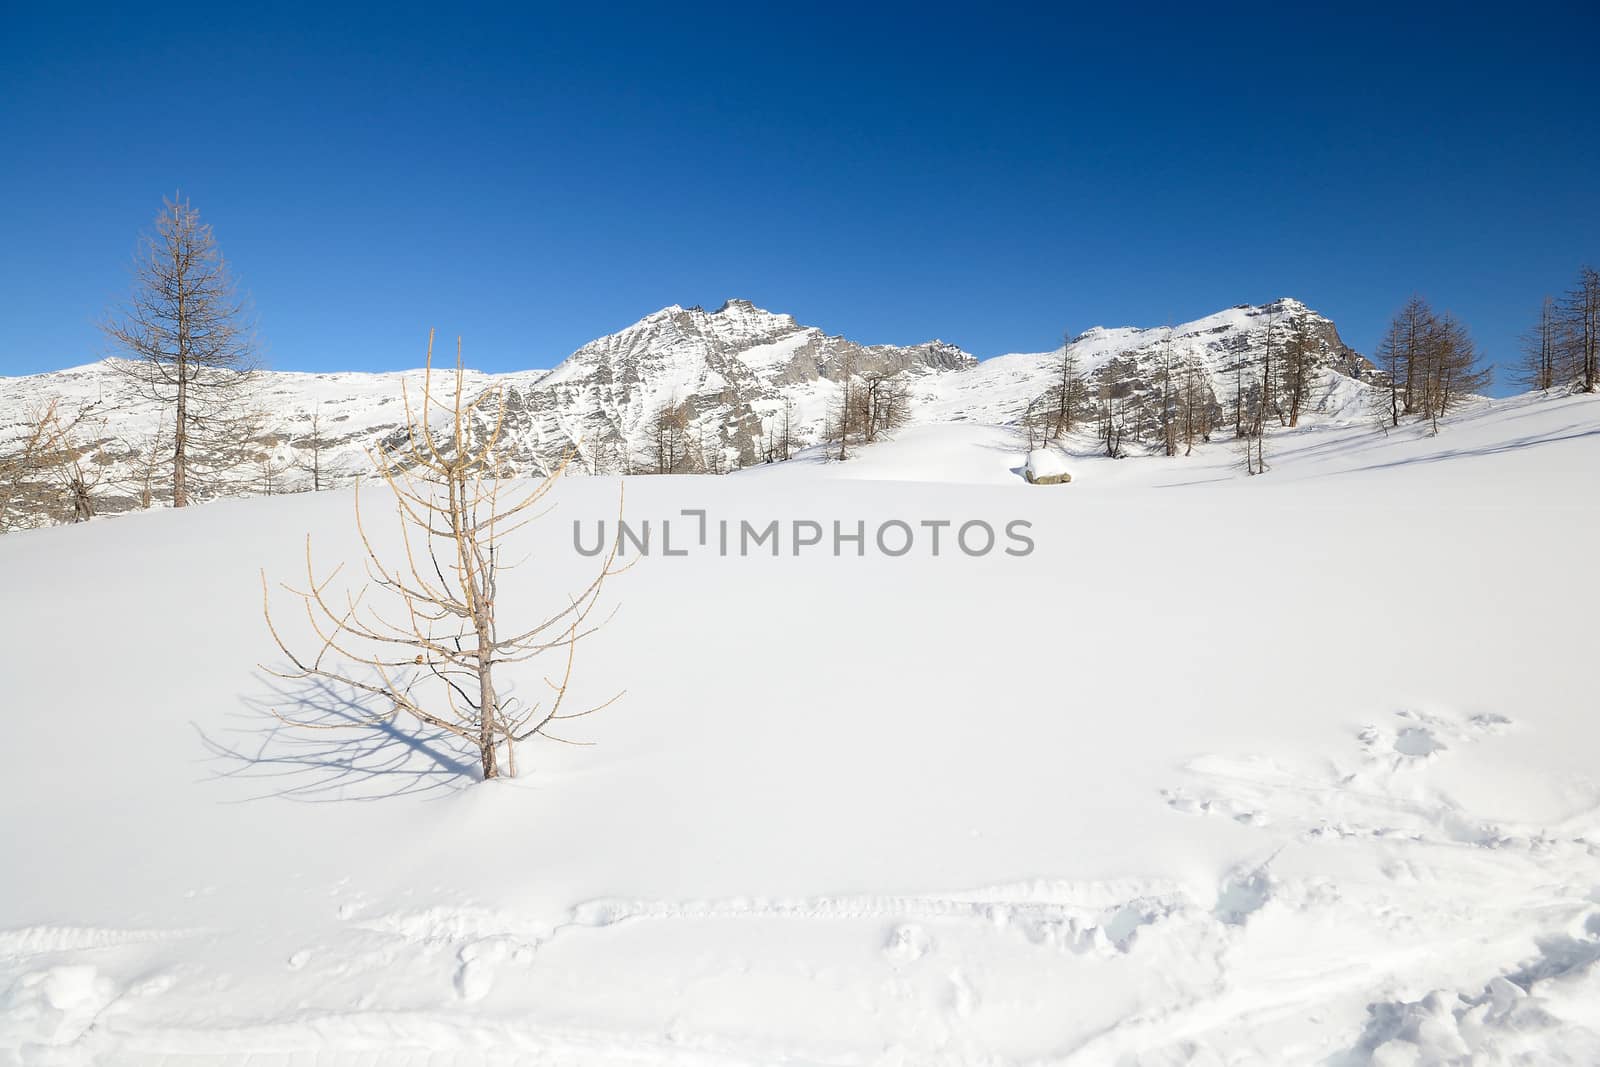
(1419, 736)
(907, 943)
(1417, 741)
(1242, 894)
(475, 977)
(963, 998)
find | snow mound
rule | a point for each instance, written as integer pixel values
(1046, 465)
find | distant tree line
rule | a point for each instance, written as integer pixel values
(1563, 348)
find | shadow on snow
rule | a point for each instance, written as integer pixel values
(340, 754)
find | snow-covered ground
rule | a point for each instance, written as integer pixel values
(1296, 769)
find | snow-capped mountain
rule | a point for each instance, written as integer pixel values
(736, 374)
(1225, 350)
(733, 370)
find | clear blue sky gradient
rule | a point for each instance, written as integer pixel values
(533, 178)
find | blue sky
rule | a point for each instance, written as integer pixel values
(533, 177)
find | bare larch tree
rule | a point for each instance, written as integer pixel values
(1580, 314)
(24, 463)
(1540, 350)
(51, 471)
(1169, 396)
(437, 650)
(1194, 404)
(671, 449)
(883, 403)
(1298, 366)
(1067, 389)
(192, 342)
(1392, 353)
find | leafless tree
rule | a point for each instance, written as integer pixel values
(708, 454)
(1166, 372)
(75, 466)
(19, 466)
(435, 652)
(1238, 396)
(272, 461)
(1298, 366)
(1455, 372)
(23, 463)
(1580, 316)
(1415, 325)
(1435, 361)
(1194, 405)
(1268, 401)
(1252, 444)
(1392, 362)
(309, 452)
(1067, 389)
(1112, 410)
(192, 343)
(144, 458)
(671, 448)
(50, 472)
(845, 412)
(1541, 350)
(1253, 450)
(1035, 422)
(883, 403)
(776, 438)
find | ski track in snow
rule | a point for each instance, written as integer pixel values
(922, 981)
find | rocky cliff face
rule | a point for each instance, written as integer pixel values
(736, 375)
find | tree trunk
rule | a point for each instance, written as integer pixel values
(180, 440)
(488, 716)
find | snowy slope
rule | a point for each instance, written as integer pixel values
(1205, 778)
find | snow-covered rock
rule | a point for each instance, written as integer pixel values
(1046, 466)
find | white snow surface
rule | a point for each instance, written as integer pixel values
(1218, 774)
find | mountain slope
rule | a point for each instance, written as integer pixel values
(737, 375)
(1223, 347)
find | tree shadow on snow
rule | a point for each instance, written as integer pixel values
(340, 754)
(1569, 433)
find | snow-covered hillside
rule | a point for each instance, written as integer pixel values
(740, 374)
(1296, 769)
